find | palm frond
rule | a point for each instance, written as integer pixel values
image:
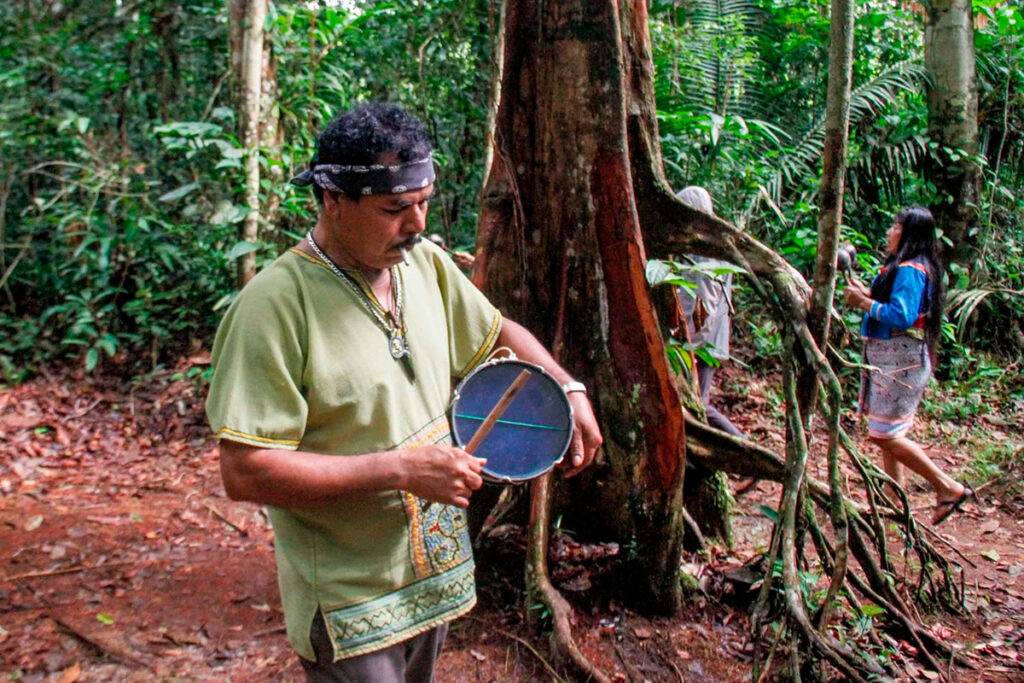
(866, 100)
(716, 80)
(962, 303)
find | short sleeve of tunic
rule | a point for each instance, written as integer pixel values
(258, 357)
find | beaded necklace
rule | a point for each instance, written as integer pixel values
(392, 324)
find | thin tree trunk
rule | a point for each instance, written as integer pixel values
(837, 123)
(498, 56)
(249, 16)
(953, 123)
(833, 184)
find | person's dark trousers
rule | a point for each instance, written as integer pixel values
(411, 661)
(705, 375)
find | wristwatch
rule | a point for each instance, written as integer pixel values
(570, 387)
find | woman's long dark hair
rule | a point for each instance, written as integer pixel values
(917, 240)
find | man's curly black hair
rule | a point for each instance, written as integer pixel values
(365, 134)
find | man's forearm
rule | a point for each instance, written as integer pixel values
(296, 479)
(528, 348)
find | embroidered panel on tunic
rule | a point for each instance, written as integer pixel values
(384, 621)
(438, 534)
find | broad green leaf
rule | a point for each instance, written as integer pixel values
(178, 193)
(223, 113)
(224, 301)
(241, 248)
(657, 271)
(108, 343)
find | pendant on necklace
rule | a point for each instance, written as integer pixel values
(398, 348)
(399, 351)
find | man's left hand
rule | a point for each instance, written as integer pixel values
(586, 435)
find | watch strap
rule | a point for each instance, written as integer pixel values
(570, 387)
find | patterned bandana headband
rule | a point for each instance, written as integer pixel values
(366, 180)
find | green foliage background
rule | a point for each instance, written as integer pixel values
(120, 170)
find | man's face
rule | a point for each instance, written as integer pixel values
(373, 229)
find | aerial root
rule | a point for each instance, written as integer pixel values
(542, 592)
(857, 531)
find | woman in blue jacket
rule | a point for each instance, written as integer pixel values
(901, 325)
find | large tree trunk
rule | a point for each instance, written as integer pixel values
(576, 170)
(561, 251)
(953, 123)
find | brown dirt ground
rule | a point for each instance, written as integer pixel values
(122, 560)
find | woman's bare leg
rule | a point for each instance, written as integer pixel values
(903, 451)
(894, 469)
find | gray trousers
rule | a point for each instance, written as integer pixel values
(411, 661)
(705, 375)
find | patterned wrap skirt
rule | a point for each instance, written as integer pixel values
(892, 390)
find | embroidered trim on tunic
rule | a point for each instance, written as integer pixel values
(418, 607)
(485, 348)
(253, 439)
(915, 266)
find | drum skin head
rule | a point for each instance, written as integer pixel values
(533, 433)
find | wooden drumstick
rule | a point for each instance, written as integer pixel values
(497, 411)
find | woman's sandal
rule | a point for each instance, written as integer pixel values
(946, 508)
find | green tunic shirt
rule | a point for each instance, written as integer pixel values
(300, 363)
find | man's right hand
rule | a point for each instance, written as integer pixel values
(441, 473)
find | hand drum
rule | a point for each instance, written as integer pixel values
(533, 428)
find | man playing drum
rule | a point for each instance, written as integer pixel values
(333, 371)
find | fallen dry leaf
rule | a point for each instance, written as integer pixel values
(70, 674)
(989, 526)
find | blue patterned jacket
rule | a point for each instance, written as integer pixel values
(904, 312)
